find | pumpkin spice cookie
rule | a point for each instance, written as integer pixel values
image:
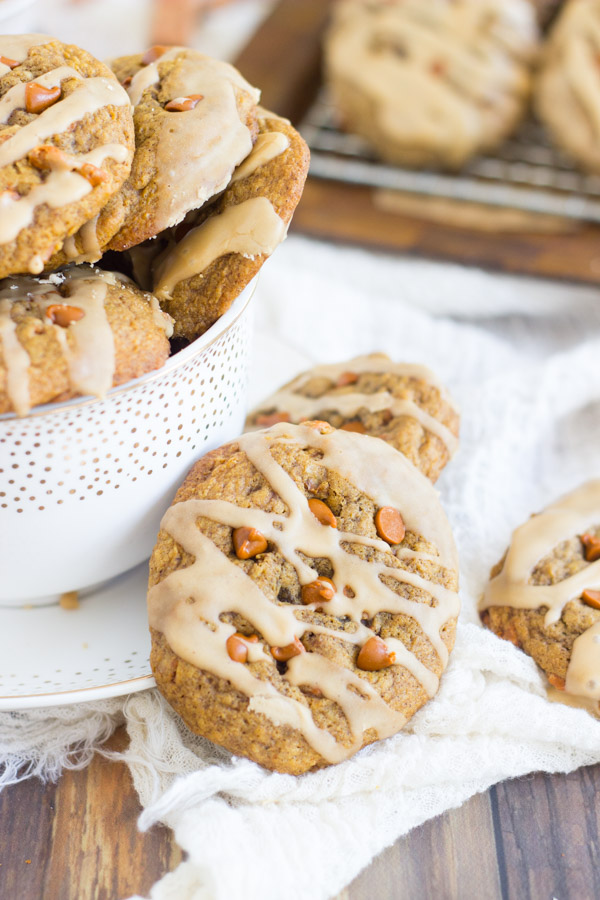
(403, 404)
(195, 121)
(66, 145)
(198, 278)
(544, 596)
(302, 596)
(430, 84)
(567, 92)
(80, 331)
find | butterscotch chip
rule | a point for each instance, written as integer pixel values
(62, 99)
(592, 598)
(284, 654)
(69, 600)
(322, 589)
(248, 542)
(356, 425)
(322, 512)
(403, 404)
(591, 545)
(549, 606)
(237, 646)
(64, 315)
(47, 318)
(389, 525)
(334, 670)
(38, 98)
(374, 656)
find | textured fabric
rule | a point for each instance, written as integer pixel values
(521, 359)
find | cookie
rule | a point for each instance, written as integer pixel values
(80, 331)
(403, 404)
(66, 134)
(302, 595)
(544, 596)
(430, 84)
(195, 121)
(199, 277)
(567, 89)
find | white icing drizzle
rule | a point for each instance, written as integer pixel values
(16, 360)
(268, 145)
(88, 344)
(432, 71)
(572, 515)
(291, 400)
(217, 585)
(149, 75)
(162, 319)
(17, 46)
(251, 228)
(60, 188)
(92, 95)
(198, 149)
(15, 97)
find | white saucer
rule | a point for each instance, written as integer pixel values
(53, 656)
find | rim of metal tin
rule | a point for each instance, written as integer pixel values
(202, 343)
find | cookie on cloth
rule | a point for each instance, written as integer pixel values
(302, 595)
(544, 596)
(430, 83)
(198, 277)
(567, 90)
(195, 121)
(404, 404)
(66, 145)
(79, 331)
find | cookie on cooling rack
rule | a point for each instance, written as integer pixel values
(195, 121)
(567, 90)
(302, 595)
(430, 84)
(403, 404)
(66, 134)
(80, 331)
(544, 596)
(199, 277)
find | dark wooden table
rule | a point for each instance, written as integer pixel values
(535, 837)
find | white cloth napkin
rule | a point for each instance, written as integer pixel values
(522, 358)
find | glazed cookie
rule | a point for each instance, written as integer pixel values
(80, 331)
(199, 277)
(430, 84)
(544, 595)
(302, 595)
(567, 91)
(403, 404)
(66, 134)
(195, 121)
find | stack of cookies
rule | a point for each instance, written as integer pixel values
(303, 588)
(136, 202)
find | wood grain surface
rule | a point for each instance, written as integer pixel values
(535, 838)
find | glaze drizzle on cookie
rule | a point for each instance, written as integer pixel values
(574, 514)
(61, 186)
(216, 585)
(292, 400)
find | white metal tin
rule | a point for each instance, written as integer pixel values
(83, 484)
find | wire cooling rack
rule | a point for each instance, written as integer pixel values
(526, 173)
